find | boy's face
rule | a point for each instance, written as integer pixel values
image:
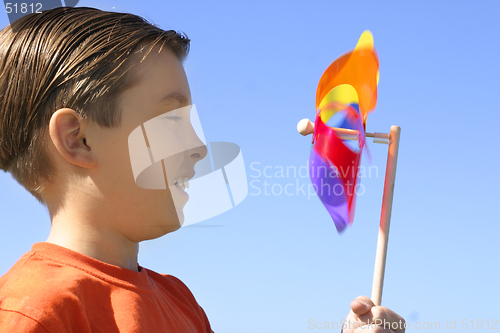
(139, 213)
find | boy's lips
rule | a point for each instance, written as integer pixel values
(182, 181)
(182, 192)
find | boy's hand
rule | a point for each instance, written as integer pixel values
(364, 312)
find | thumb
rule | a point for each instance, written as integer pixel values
(361, 305)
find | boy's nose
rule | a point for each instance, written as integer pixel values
(199, 152)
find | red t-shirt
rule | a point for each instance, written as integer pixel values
(54, 289)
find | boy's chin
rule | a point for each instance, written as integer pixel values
(165, 227)
(180, 220)
(160, 232)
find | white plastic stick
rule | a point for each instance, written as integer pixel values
(385, 217)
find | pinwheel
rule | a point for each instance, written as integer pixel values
(346, 94)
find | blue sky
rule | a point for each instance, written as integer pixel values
(276, 262)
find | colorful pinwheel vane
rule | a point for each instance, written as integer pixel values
(347, 92)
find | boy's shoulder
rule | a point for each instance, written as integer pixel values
(33, 292)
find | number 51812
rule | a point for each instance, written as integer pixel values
(23, 8)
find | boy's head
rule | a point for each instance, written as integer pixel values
(78, 58)
(74, 82)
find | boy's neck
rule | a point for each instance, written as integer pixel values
(96, 244)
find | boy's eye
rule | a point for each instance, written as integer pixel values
(174, 118)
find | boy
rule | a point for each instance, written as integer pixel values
(75, 83)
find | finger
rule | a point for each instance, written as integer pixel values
(305, 127)
(361, 305)
(384, 317)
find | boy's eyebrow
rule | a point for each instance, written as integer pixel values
(182, 99)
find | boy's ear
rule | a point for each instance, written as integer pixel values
(67, 131)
